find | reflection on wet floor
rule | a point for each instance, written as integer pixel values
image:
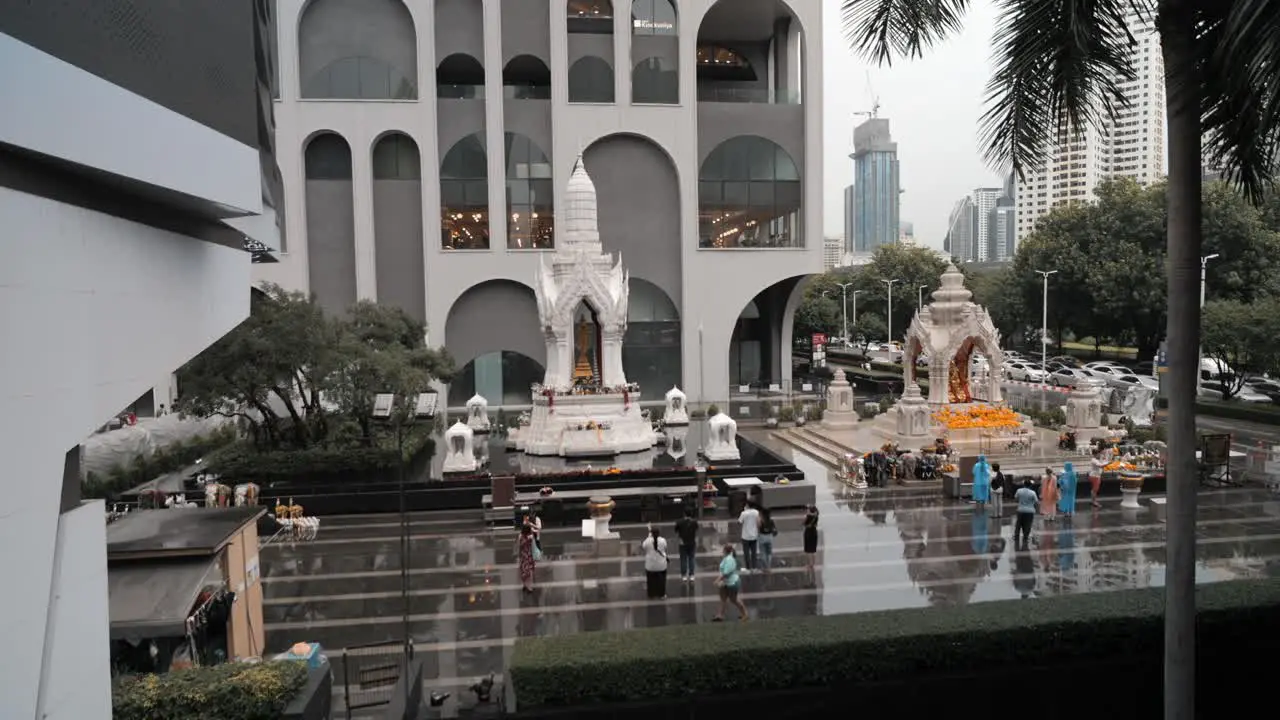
(877, 550)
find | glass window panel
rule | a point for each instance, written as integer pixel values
(476, 193)
(344, 79)
(517, 193)
(735, 193)
(761, 155)
(761, 194)
(451, 193)
(710, 192)
(713, 166)
(375, 80)
(786, 168)
(541, 191)
(787, 194)
(736, 164)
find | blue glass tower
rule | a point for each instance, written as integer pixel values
(875, 186)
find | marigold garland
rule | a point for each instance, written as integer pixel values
(988, 417)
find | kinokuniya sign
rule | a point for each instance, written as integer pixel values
(652, 25)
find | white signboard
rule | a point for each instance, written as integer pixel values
(744, 388)
(775, 387)
(426, 405)
(807, 387)
(382, 405)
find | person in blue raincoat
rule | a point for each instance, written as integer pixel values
(981, 481)
(1067, 488)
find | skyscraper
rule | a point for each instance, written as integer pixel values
(848, 219)
(1132, 145)
(984, 201)
(962, 230)
(875, 186)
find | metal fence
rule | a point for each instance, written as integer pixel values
(369, 675)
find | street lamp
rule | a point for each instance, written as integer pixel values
(920, 296)
(1044, 319)
(844, 309)
(1204, 266)
(854, 314)
(889, 311)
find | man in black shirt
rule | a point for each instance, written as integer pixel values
(687, 531)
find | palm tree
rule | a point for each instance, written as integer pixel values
(1060, 66)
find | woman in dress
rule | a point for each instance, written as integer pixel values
(654, 548)
(1048, 495)
(811, 537)
(525, 546)
(1067, 486)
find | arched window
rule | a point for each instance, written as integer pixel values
(464, 195)
(526, 78)
(328, 157)
(459, 77)
(749, 196)
(590, 17)
(395, 157)
(651, 349)
(530, 216)
(655, 52)
(357, 51)
(591, 81)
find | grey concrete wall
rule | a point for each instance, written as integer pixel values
(459, 28)
(582, 45)
(331, 243)
(638, 193)
(331, 30)
(495, 316)
(591, 80)
(783, 124)
(398, 255)
(531, 118)
(525, 30)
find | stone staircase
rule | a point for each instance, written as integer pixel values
(822, 448)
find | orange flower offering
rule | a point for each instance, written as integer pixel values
(1118, 466)
(987, 417)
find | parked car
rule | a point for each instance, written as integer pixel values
(1067, 360)
(1146, 367)
(1264, 386)
(1025, 372)
(1129, 381)
(1215, 391)
(1107, 371)
(1068, 377)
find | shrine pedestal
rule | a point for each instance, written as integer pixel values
(913, 413)
(840, 414)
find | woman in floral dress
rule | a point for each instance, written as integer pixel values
(524, 553)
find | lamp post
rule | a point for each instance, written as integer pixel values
(920, 296)
(1204, 266)
(1044, 319)
(844, 309)
(702, 393)
(888, 313)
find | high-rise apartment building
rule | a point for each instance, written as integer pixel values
(832, 252)
(137, 186)
(984, 202)
(848, 218)
(962, 230)
(1132, 145)
(427, 146)
(876, 186)
(1002, 224)
(906, 234)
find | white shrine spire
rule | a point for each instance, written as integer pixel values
(581, 229)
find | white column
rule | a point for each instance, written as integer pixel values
(494, 125)
(362, 190)
(611, 348)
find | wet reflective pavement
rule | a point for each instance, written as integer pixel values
(877, 550)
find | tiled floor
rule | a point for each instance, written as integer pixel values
(878, 550)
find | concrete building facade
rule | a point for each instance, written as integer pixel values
(426, 146)
(135, 153)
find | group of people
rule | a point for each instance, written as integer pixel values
(1057, 494)
(758, 533)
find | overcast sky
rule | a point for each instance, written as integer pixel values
(933, 105)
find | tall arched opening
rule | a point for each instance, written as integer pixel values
(357, 50)
(331, 242)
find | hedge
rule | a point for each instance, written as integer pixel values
(1249, 412)
(245, 462)
(235, 691)
(676, 662)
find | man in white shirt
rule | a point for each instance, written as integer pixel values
(750, 521)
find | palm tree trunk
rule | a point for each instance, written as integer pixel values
(1183, 94)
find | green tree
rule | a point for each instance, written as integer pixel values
(268, 371)
(1244, 336)
(1248, 262)
(1056, 245)
(912, 267)
(869, 328)
(817, 313)
(998, 291)
(1060, 66)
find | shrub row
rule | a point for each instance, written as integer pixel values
(1249, 412)
(236, 691)
(167, 459)
(244, 462)
(671, 663)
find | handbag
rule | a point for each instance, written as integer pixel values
(537, 553)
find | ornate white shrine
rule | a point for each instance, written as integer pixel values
(459, 444)
(677, 412)
(722, 443)
(840, 414)
(677, 437)
(948, 332)
(584, 407)
(478, 414)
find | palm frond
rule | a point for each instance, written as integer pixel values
(1060, 67)
(882, 29)
(1239, 56)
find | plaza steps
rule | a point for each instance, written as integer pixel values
(806, 443)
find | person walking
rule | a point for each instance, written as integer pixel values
(749, 519)
(768, 531)
(1048, 495)
(687, 532)
(1095, 476)
(811, 538)
(981, 482)
(526, 547)
(655, 565)
(997, 491)
(1067, 490)
(535, 523)
(1027, 502)
(730, 585)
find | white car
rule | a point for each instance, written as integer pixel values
(1068, 377)
(1129, 381)
(1108, 371)
(1025, 372)
(1214, 390)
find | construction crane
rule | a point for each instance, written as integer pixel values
(874, 112)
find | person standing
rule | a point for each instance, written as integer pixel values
(997, 491)
(1048, 495)
(811, 538)
(981, 482)
(749, 519)
(1027, 502)
(535, 524)
(525, 549)
(687, 532)
(768, 531)
(655, 565)
(1095, 476)
(730, 585)
(1067, 490)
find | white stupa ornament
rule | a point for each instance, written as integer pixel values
(581, 225)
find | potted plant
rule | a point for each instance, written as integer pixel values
(770, 416)
(802, 415)
(712, 410)
(786, 413)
